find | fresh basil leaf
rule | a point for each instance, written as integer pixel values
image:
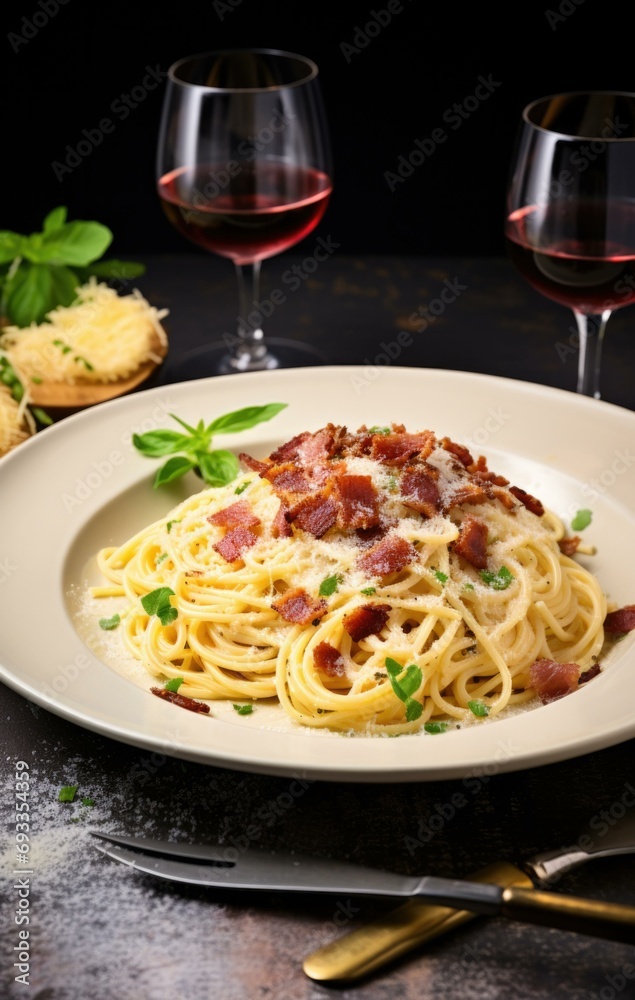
(500, 580)
(242, 420)
(173, 469)
(29, 296)
(155, 444)
(11, 245)
(243, 709)
(109, 623)
(406, 687)
(434, 728)
(54, 220)
(76, 242)
(156, 599)
(218, 468)
(479, 708)
(582, 520)
(174, 684)
(67, 793)
(329, 585)
(64, 284)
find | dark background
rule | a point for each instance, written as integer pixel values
(65, 78)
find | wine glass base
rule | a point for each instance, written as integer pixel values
(213, 359)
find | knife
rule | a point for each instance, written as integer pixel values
(368, 948)
(286, 872)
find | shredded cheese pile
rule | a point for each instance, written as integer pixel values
(102, 337)
(14, 427)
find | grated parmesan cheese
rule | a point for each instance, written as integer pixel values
(102, 337)
(14, 428)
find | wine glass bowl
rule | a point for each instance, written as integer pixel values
(244, 171)
(570, 219)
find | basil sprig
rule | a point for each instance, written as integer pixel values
(43, 270)
(192, 451)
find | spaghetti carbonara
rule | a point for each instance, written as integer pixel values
(379, 582)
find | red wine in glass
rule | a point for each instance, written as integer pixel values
(582, 272)
(244, 172)
(570, 219)
(264, 210)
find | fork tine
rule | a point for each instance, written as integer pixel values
(162, 867)
(197, 852)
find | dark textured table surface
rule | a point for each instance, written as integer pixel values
(102, 932)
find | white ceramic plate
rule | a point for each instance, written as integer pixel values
(80, 485)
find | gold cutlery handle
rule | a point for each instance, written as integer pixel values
(368, 948)
(586, 916)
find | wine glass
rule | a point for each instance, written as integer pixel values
(244, 171)
(570, 225)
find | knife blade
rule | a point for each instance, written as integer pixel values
(284, 872)
(367, 949)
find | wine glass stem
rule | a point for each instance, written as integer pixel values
(247, 350)
(591, 328)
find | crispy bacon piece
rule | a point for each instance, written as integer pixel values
(181, 700)
(358, 502)
(589, 674)
(368, 536)
(552, 680)
(459, 450)
(233, 544)
(329, 660)
(238, 514)
(317, 447)
(531, 503)
(389, 556)
(315, 514)
(398, 447)
(253, 463)
(289, 451)
(568, 546)
(280, 527)
(288, 477)
(480, 473)
(506, 498)
(420, 491)
(299, 607)
(472, 542)
(620, 621)
(368, 619)
(466, 492)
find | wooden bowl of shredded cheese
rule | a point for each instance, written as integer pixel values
(100, 347)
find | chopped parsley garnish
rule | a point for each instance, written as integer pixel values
(582, 520)
(500, 580)
(170, 523)
(159, 559)
(434, 728)
(391, 484)
(157, 602)
(468, 586)
(89, 803)
(406, 686)
(243, 709)
(478, 708)
(174, 684)
(330, 584)
(82, 361)
(243, 486)
(67, 793)
(65, 349)
(375, 429)
(36, 379)
(369, 591)
(441, 577)
(109, 623)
